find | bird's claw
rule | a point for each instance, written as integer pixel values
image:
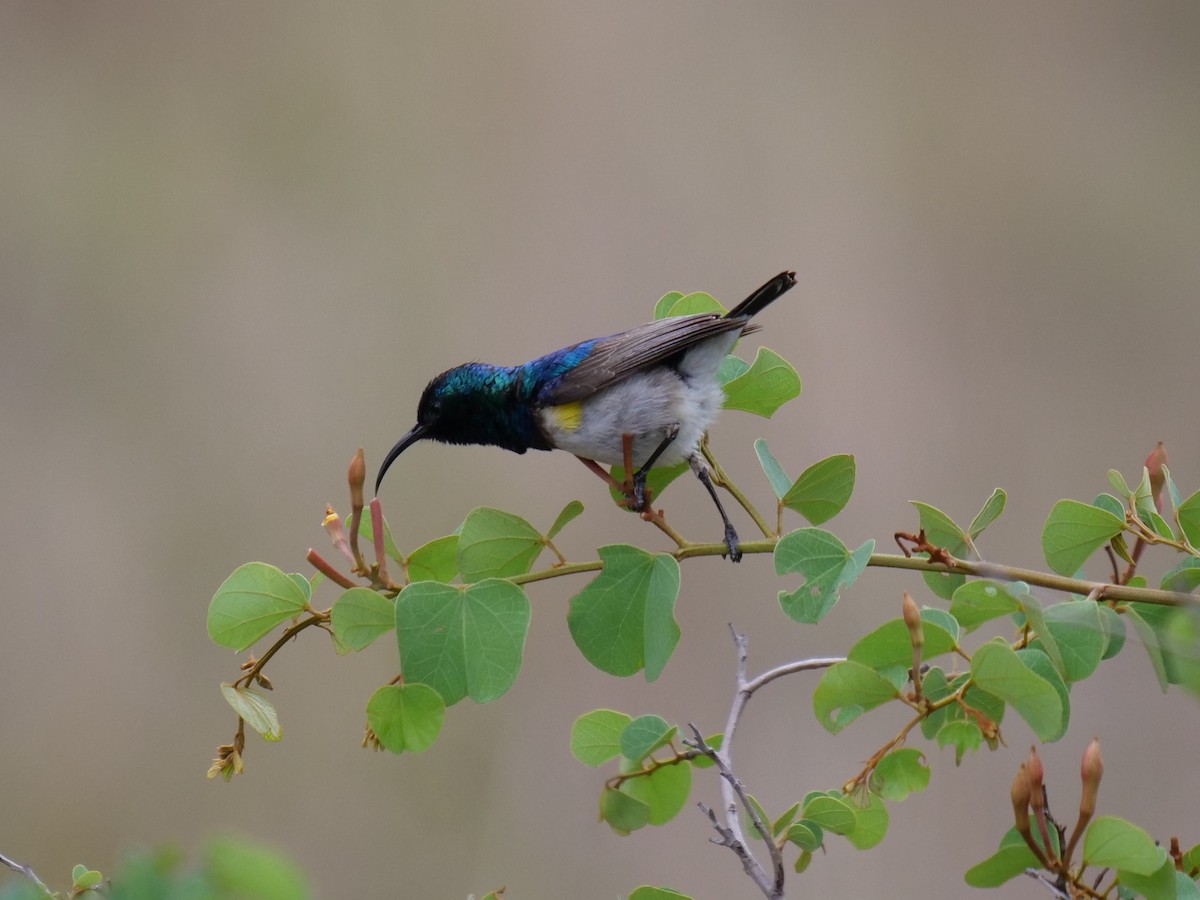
(732, 544)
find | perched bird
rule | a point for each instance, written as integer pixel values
(643, 397)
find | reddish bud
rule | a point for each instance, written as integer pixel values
(1158, 479)
(1091, 771)
(356, 475)
(1020, 800)
(912, 619)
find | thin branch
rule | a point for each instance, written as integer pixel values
(1034, 577)
(27, 872)
(730, 833)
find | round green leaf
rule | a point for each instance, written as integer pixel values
(624, 619)
(462, 641)
(1119, 844)
(360, 615)
(435, 561)
(238, 869)
(769, 383)
(823, 489)
(664, 791)
(827, 567)
(406, 716)
(1074, 531)
(250, 602)
(623, 812)
(846, 691)
(998, 670)
(645, 734)
(596, 736)
(496, 544)
(900, 773)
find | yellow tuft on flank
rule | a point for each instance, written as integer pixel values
(568, 416)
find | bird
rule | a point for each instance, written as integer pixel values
(639, 398)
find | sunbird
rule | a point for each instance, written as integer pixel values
(640, 398)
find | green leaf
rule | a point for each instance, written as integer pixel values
(1114, 630)
(891, 645)
(1144, 621)
(731, 367)
(435, 561)
(807, 835)
(250, 602)
(1184, 577)
(1189, 518)
(596, 736)
(1079, 635)
(961, 734)
(770, 382)
(656, 481)
(846, 691)
(1117, 480)
(1011, 860)
(823, 489)
(1039, 663)
(1032, 609)
(662, 308)
(778, 478)
(900, 773)
(360, 615)
(644, 735)
(786, 818)
(990, 512)
(664, 791)
(239, 869)
(623, 812)
(569, 512)
(870, 826)
(254, 707)
(657, 893)
(496, 544)
(999, 671)
(827, 567)
(1159, 885)
(942, 531)
(980, 601)
(690, 304)
(84, 879)
(1118, 844)
(462, 641)
(624, 619)
(406, 716)
(831, 811)
(1110, 504)
(1074, 531)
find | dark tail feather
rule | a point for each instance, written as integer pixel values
(764, 296)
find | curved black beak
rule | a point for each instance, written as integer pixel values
(415, 434)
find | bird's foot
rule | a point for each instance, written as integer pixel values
(732, 545)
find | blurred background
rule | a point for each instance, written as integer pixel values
(236, 241)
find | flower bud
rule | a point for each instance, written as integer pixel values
(356, 475)
(1158, 479)
(912, 620)
(1091, 771)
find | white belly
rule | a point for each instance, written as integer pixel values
(645, 405)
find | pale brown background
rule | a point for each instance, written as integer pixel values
(236, 240)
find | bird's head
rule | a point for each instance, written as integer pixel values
(447, 412)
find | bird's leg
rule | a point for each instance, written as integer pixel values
(638, 498)
(603, 473)
(731, 538)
